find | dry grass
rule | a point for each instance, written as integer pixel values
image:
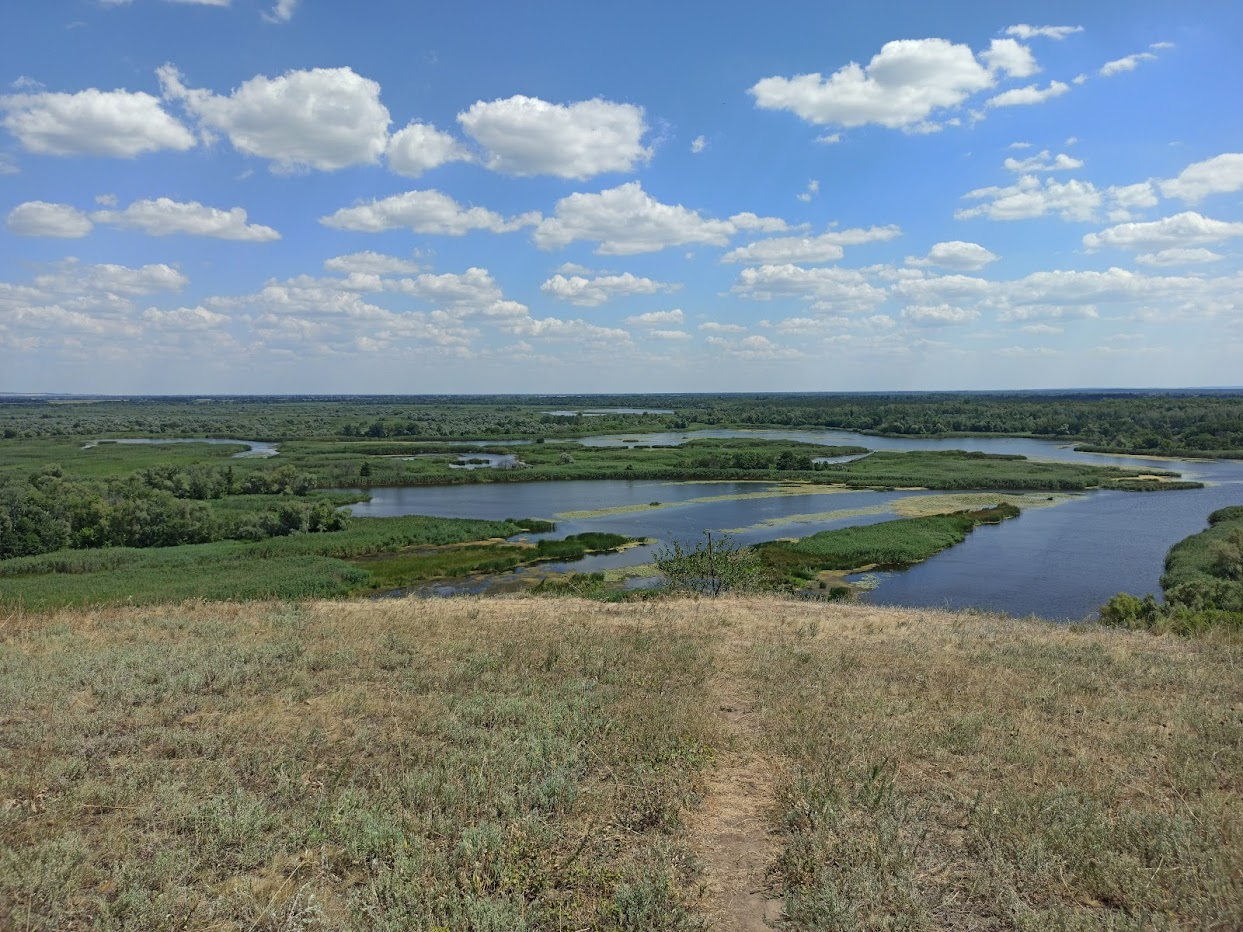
(551, 764)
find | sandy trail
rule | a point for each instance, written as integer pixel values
(730, 830)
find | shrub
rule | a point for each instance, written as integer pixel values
(711, 567)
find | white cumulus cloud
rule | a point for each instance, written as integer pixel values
(420, 147)
(713, 326)
(1027, 198)
(903, 84)
(754, 347)
(93, 122)
(626, 220)
(184, 318)
(528, 136)
(955, 254)
(1185, 229)
(826, 247)
(1031, 94)
(73, 278)
(592, 292)
(829, 288)
(1124, 64)
(324, 118)
(1178, 256)
(812, 250)
(39, 218)
(370, 263)
(656, 318)
(1010, 57)
(474, 290)
(1125, 199)
(940, 315)
(430, 212)
(1043, 161)
(1222, 174)
(572, 331)
(1024, 31)
(164, 217)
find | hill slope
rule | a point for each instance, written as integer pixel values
(557, 764)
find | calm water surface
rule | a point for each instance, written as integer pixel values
(1059, 562)
(254, 447)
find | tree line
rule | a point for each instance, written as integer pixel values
(163, 506)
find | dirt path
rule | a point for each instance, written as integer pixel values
(730, 829)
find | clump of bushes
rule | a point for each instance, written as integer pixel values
(1203, 583)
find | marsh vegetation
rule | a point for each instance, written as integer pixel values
(219, 520)
(888, 544)
(1202, 584)
(1143, 422)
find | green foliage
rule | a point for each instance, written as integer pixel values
(533, 525)
(1159, 422)
(1227, 555)
(889, 543)
(1229, 513)
(1151, 485)
(408, 568)
(955, 469)
(1206, 569)
(576, 545)
(1127, 611)
(423, 463)
(226, 570)
(399, 570)
(295, 566)
(1203, 583)
(161, 505)
(743, 458)
(710, 567)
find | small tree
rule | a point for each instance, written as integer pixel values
(1227, 556)
(712, 566)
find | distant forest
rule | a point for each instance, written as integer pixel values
(1204, 423)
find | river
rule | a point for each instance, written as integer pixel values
(1059, 562)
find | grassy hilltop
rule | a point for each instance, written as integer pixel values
(562, 764)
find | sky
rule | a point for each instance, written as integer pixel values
(309, 196)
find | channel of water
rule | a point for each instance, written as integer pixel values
(1058, 562)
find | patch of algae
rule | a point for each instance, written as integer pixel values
(778, 492)
(642, 571)
(923, 505)
(915, 506)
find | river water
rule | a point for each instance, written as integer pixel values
(1059, 562)
(253, 447)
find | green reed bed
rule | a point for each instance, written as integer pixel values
(890, 543)
(297, 566)
(955, 469)
(406, 569)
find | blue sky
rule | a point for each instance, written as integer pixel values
(215, 196)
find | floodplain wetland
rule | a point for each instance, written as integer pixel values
(213, 717)
(247, 514)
